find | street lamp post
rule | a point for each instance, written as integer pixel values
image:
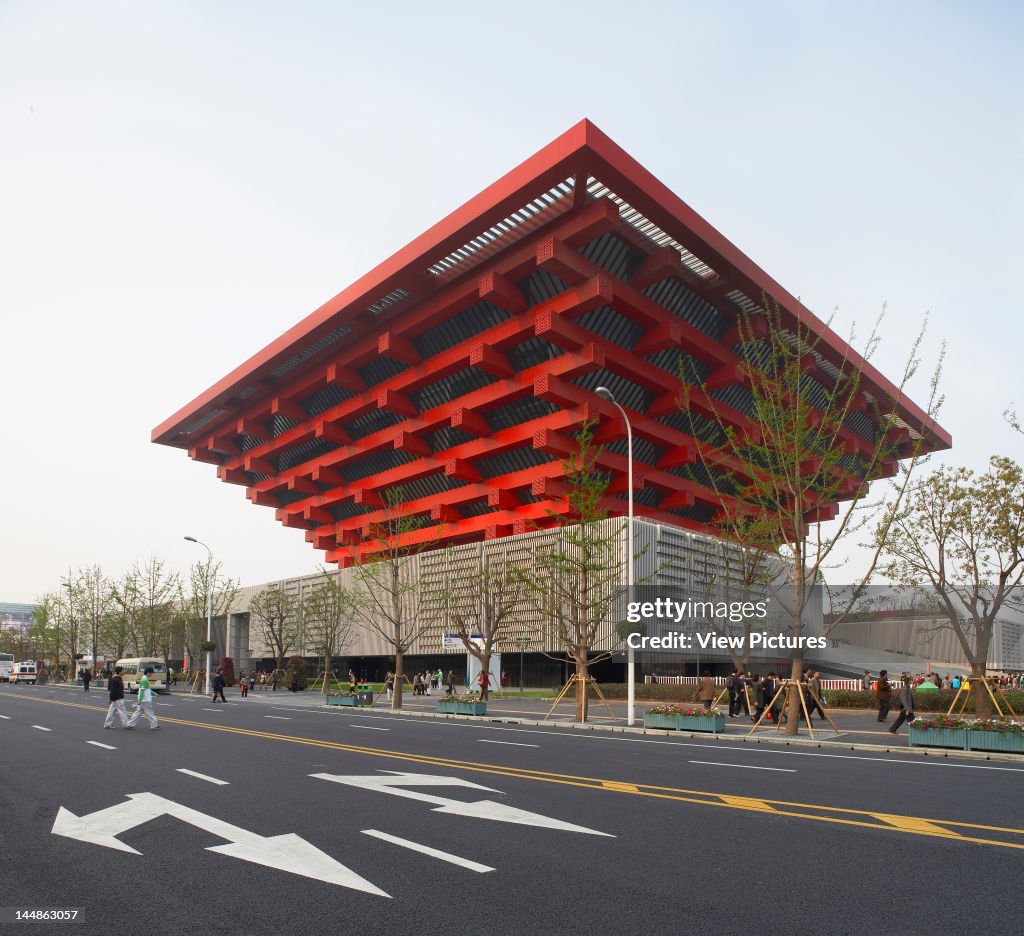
(209, 607)
(606, 394)
(522, 643)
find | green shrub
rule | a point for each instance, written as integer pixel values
(652, 692)
(938, 701)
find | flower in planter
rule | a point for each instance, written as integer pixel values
(687, 711)
(1000, 725)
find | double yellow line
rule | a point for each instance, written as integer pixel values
(866, 819)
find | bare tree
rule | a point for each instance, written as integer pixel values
(959, 540)
(483, 604)
(328, 610)
(389, 585)
(275, 614)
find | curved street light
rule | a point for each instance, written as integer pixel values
(605, 394)
(209, 606)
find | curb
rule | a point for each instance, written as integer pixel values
(940, 753)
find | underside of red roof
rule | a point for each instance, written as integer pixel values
(460, 368)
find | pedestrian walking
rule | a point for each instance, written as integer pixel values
(243, 684)
(706, 689)
(218, 686)
(86, 678)
(883, 692)
(734, 684)
(450, 679)
(905, 700)
(814, 701)
(145, 703)
(252, 682)
(115, 689)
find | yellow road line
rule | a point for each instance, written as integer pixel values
(911, 825)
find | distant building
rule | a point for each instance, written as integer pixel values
(18, 617)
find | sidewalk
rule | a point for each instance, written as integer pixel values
(859, 729)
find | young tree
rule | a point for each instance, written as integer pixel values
(801, 454)
(45, 630)
(156, 588)
(959, 540)
(484, 602)
(274, 613)
(578, 574)
(390, 588)
(328, 611)
(191, 602)
(90, 593)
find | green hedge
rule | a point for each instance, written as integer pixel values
(938, 701)
(653, 692)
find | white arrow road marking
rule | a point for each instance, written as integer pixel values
(108, 747)
(286, 852)
(202, 776)
(394, 781)
(427, 850)
(41, 728)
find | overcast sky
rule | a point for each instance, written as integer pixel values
(182, 182)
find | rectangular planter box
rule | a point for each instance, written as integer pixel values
(939, 737)
(461, 708)
(356, 701)
(995, 741)
(713, 723)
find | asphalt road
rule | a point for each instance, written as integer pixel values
(533, 830)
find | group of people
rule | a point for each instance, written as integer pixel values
(1004, 681)
(144, 705)
(425, 680)
(763, 692)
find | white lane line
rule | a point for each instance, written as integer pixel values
(5, 717)
(744, 766)
(211, 709)
(41, 728)
(879, 758)
(280, 717)
(514, 743)
(369, 727)
(202, 776)
(167, 704)
(106, 747)
(427, 850)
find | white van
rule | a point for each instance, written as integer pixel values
(134, 667)
(24, 672)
